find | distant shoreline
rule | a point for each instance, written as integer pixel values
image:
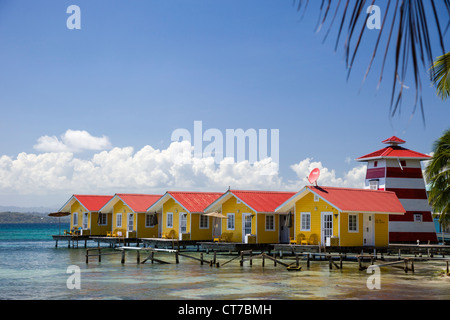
(29, 217)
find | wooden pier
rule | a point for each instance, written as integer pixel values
(170, 243)
(115, 241)
(74, 239)
(235, 246)
(289, 262)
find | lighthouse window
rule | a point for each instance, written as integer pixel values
(375, 164)
(403, 163)
(373, 184)
(417, 217)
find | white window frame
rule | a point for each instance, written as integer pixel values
(130, 222)
(305, 225)
(316, 198)
(356, 216)
(119, 219)
(418, 217)
(231, 217)
(169, 222)
(270, 225)
(75, 219)
(183, 222)
(202, 221)
(149, 220)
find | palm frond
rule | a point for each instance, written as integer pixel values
(417, 25)
(440, 74)
(437, 174)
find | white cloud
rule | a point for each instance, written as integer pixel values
(149, 170)
(353, 178)
(72, 141)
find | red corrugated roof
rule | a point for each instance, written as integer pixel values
(138, 202)
(360, 200)
(262, 201)
(195, 201)
(92, 202)
(394, 152)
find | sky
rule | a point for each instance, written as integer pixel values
(92, 110)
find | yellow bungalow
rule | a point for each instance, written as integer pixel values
(251, 217)
(130, 218)
(85, 218)
(342, 216)
(181, 215)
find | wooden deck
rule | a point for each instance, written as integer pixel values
(71, 239)
(170, 243)
(113, 241)
(235, 246)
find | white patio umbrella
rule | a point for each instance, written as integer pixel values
(215, 215)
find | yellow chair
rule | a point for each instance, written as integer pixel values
(302, 239)
(108, 233)
(118, 233)
(172, 234)
(224, 237)
(313, 239)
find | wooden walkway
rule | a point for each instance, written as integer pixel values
(235, 246)
(170, 243)
(74, 239)
(291, 263)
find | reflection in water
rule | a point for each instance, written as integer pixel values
(190, 280)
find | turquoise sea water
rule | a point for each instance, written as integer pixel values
(32, 268)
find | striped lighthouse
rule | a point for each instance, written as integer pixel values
(395, 168)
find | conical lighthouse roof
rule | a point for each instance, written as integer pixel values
(394, 151)
(394, 141)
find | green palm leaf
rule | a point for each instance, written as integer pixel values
(441, 76)
(437, 174)
(412, 28)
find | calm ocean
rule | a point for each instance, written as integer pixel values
(32, 268)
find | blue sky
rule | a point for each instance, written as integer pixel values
(137, 70)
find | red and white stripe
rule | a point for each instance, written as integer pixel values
(407, 182)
